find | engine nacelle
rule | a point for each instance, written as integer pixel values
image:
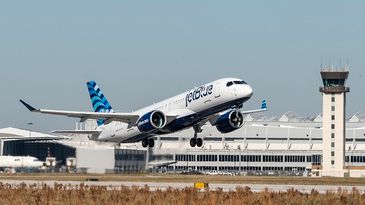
(151, 121)
(230, 121)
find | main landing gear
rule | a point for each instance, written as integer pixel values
(148, 142)
(195, 141)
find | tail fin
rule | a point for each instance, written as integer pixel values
(98, 100)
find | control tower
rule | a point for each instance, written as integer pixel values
(334, 111)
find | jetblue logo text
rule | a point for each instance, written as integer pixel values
(142, 122)
(199, 92)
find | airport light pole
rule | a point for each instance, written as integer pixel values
(30, 130)
(21, 168)
(247, 159)
(240, 155)
(187, 160)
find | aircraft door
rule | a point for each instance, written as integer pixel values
(234, 91)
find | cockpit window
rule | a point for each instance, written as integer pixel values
(239, 82)
(229, 83)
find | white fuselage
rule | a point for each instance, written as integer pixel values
(19, 162)
(199, 102)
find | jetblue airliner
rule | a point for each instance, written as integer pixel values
(218, 102)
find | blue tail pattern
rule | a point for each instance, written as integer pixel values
(98, 100)
(263, 104)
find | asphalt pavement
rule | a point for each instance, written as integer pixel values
(164, 185)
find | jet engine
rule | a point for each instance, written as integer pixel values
(230, 121)
(151, 121)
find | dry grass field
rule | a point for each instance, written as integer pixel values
(60, 194)
(190, 179)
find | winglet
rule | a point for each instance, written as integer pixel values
(30, 108)
(263, 105)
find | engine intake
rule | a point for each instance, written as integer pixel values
(230, 121)
(151, 121)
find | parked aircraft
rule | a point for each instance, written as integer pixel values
(20, 162)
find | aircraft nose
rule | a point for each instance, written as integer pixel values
(248, 91)
(245, 91)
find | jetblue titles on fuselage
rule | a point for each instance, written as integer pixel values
(198, 92)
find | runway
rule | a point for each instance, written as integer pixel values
(115, 185)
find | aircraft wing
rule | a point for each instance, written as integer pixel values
(80, 132)
(122, 117)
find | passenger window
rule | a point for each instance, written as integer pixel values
(229, 83)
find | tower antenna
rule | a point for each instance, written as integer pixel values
(321, 64)
(340, 63)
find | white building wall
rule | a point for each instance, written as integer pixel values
(339, 131)
(95, 160)
(333, 148)
(326, 132)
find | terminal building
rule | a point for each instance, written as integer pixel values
(285, 145)
(325, 145)
(288, 145)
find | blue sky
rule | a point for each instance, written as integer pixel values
(140, 52)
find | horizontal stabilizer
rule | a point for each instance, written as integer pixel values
(161, 163)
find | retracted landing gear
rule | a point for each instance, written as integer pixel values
(148, 142)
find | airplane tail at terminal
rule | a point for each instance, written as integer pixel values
(98, 100)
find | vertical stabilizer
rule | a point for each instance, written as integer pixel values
(98, 100)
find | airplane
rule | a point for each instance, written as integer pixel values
(20, 162)
(218, 102)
